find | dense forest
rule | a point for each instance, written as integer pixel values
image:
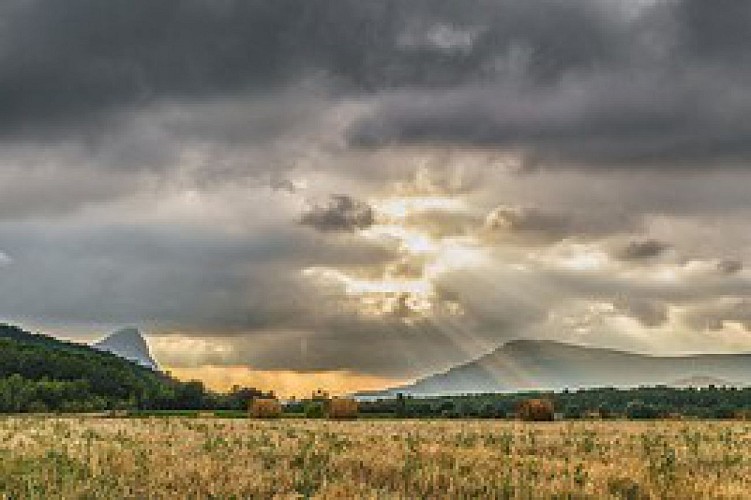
(39, 373)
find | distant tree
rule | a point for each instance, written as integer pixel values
(572, 410)
(446, 408)
(467, 410)
(37, 407)
(420, 409)
(190, 395)
(401, 406)
(606, 410)
(639, 410)
(314, 409)
(724, 410)
(488, 410)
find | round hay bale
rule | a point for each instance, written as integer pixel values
(341, 408)
(536, 410)
(265, 408)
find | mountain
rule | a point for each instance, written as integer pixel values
(699, 381)
(129, 344)
(546, 365)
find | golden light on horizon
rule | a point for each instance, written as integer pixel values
(285, 383)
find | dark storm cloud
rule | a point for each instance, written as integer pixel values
(671, 92)
(86, 56)
(340, 213)
(63, 65)
(576, 82)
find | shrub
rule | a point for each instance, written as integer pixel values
(487, 410)
(314, 409)
(572, 411)
(639, 410)
(724, 411)
(37, 407)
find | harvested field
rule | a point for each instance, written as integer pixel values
(180, 457)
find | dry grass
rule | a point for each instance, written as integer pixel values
(200, 458)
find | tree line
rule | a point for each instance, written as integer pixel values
(607, 402)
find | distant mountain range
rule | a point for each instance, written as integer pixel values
(129, 344)
(522, 365)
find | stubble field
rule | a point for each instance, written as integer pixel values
(290, 458)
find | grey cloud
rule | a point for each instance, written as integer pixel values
(729, 266)
(531, 225)
(168, 275)
(340, 213)
(61, 66)
(513, 302)
(513, 218)
(716, 32)
(644, 249)
(622, 118)
(574, 82)
(55, 192)
(714, 315)
(648, 313)
(658, 96)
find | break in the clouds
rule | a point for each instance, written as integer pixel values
(376, 190)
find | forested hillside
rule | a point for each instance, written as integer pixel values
(40, 373)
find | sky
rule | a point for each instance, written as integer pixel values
(352, 194)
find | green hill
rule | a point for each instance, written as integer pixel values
(40, 373)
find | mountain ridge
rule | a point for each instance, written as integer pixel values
(527, 364)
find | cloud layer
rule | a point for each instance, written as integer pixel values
(379, 189)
